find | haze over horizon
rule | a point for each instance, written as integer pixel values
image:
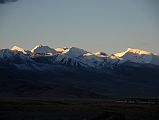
(108, 26)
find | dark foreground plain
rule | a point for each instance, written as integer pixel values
(29, 109)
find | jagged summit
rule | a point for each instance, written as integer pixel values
(40, 49)
(36, 47)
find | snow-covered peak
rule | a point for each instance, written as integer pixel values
(92, 60)
(40, 49)
(60, 50)
(71, 56)
(139, 56)
(6, 54)
(16, 48)
(133, 51)
(74, 52)
(138, 51)
(101, 54)
(88, 54)
(115, 59)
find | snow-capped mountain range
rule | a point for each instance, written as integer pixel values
(74, 72)
(78, 57)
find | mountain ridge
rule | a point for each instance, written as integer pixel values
(79, 57)
(77, 73)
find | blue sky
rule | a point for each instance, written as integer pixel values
(95, 25)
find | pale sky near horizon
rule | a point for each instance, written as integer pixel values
(95, 25)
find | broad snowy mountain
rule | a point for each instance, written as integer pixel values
(139, 56)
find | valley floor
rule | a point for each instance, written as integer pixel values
(76, 110)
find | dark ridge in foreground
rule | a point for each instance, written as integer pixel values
(76, 110)
(128, 80)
